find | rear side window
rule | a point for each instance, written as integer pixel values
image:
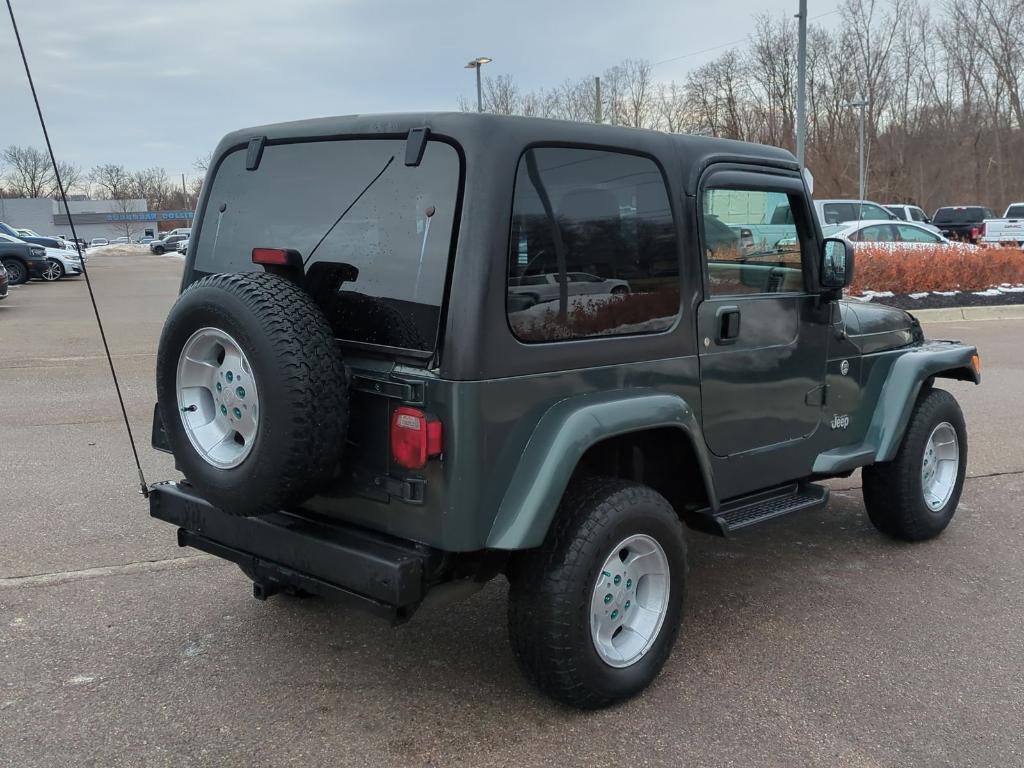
(593, 248)
(374, 234)
(898, 211)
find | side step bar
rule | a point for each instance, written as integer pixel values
(746, 511)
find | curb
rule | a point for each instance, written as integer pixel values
(959, 314)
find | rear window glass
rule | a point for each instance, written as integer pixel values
(966, 215)
(1015, 212)
(374, 234)
(593, 246)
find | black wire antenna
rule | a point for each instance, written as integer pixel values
(143, 487)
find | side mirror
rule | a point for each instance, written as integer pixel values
(836, 263)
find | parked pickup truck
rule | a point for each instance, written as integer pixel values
(364, 408)
(962, 222)
(1008, 230)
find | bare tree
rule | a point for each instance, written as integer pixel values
(124, 223)
(151, 185)
(112, 181)
(28, 172)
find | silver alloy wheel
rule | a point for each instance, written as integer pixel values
(630, 601)
(217, 398)
(53, 271)
(15, 272)
(940, 466)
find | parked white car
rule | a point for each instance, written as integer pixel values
(182, 246)
(537, 289)
(895, 235)
(98, 241)
(906, 212)
(847, 211)
(1009, 230)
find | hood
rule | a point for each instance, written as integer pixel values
(876, 327)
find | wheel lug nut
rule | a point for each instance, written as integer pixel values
(240, 391)
(608, 598)
(230, 377)
(224, 409)
(629, 583)
(219, 386)
(617, 580)
(626, 606)
(615, 615)
(238, 413)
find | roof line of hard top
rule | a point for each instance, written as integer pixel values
(485, 128)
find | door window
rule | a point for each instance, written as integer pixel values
(915, 235)
(917, 214)
(877, 233)
(593, 249)
(746, 250)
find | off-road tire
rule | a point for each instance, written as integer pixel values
(893, 493)
(159, 250)
(551, 589)
(17, 271)
(301, 380)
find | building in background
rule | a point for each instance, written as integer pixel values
(92, 218)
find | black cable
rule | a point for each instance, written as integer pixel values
(78, 246)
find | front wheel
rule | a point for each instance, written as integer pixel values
(17, 273)
(54, 270)
(913, 497)
(594, 612)
(159, 250)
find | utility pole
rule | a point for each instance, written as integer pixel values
(597, 100)
(860, 103)
(184, 191)
(801, 86)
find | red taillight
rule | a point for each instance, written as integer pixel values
(414, 439)
(974, 233)
(280, 257)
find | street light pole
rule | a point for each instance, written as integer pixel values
(476, 64)
(801, 85)
(860, 103)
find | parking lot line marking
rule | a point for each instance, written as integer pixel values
(142, 566)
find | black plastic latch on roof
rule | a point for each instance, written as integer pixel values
(255, 152)
(415, 143)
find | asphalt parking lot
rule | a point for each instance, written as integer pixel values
(810, 641)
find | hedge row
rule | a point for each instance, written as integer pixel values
(878, 268)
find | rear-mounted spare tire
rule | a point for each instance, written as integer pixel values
(252, 392)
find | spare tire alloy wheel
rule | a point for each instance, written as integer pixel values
(16, 272)
(218, 398)
(54, 270)
(252, 392)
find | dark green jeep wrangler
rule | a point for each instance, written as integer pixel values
(413, 352)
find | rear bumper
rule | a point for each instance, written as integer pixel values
(385, 575)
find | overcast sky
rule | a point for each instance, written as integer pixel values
(147, 82)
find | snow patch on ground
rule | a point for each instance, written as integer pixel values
(945, 293)
(1005, 288)
(988, 292)
(918, 295)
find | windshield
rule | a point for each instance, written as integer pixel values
(375, 234)
(969, 215)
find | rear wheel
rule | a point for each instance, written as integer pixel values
(595, 611)
(17, 272)
(914, 496)
(54, 270)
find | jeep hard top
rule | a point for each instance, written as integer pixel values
(413, 352)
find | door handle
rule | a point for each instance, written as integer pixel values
(727, 323)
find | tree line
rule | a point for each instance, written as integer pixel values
(27, 172)
(944, 85)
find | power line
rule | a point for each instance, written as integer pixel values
(730, 43)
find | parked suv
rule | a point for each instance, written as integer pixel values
(963, 222)
(46, 242)
(22, 260)
(363, 406)
(849, 211)
(167, 243)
